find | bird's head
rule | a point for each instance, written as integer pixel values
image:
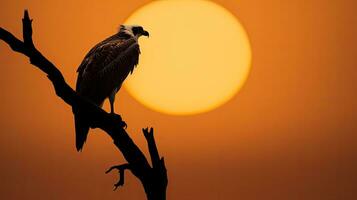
(133, 30)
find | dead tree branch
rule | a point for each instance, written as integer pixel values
(153, 179)
(121, 169)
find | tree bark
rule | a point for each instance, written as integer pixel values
(153, 177)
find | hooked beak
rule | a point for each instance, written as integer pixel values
(145, 33)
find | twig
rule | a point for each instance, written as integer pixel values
(121, 169)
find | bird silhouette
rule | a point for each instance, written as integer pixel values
(103, 71)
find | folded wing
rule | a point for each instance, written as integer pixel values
(103, 69)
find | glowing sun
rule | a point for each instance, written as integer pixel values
(196, 59)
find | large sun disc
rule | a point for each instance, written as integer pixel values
(196, 59)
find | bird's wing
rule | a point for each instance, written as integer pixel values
(105, 65)
(102, 60)
(87, 61)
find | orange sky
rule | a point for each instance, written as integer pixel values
(288, 134)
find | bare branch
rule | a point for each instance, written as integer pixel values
(121, 169)
(154, 153)
(27, 29)
(112, 124)
(14, 43)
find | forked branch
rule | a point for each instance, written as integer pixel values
(154, 153)
(153, 179)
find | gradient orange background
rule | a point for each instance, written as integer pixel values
(289, 134)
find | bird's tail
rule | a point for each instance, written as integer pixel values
(82, 129)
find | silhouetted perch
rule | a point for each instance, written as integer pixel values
(121, 169)
(153, 179)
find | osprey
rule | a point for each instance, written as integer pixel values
(103, 70)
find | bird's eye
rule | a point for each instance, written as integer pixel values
(138, 29)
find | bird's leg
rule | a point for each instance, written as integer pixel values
(111, 101)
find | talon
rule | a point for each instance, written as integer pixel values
(113, 114)
(124, 125)
(118, 117)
